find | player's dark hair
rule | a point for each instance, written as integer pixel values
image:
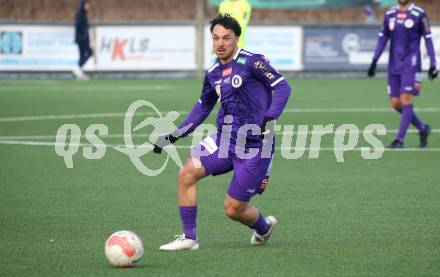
(82, 3)
(228, 22)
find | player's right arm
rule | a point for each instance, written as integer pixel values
(198, 114)
(200, 110)
(382, 41)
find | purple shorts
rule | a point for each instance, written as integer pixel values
(248, 173)
(408, 82)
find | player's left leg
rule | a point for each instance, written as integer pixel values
(249, 215)
(248, 175)
(410, 87)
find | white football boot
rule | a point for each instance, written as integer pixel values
(180, 243)
(79, 74)
(258, 239)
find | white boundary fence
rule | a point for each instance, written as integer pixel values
(142, 48)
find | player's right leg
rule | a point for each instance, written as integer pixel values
(189, 175)
(204, 161)
(402, 89)
(394, 94)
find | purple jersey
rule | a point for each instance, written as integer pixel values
(404, 28)
(249, 89)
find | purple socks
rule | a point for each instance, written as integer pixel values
(408, 116)
(188, 216)
(415, 121)
(261, 225)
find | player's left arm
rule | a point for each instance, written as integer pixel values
(427, 35)
(263, 71)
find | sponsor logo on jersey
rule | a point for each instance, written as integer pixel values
(237, 81)
(218, 82)
(227, 80)
(401, 16)
(217, 90)
(241, 60)
(260, 66)
(409, 23)
(415, 13)
(392, 24)
(227, 71)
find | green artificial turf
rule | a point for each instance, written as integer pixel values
(354, 218)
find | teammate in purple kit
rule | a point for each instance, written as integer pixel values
(404, 25)
(252, 94)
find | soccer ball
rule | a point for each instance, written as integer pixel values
(124, 248)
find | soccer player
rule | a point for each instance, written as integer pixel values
(404, 25)
(252, 95)
(82, 38)
(241, 11)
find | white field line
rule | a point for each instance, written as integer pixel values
(53, 144)
(99, 88)
(147, 135)
(354, 110)
(110, 115)
(75, 116)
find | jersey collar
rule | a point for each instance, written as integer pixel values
(232, 61)
(236, 54)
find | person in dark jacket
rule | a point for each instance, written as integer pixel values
(82, 38)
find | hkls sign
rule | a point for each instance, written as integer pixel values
(124, 48)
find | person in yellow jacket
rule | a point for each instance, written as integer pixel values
(241, 11)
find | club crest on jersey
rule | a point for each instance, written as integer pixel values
(237, 81)
(409, 23)
(227, 71)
